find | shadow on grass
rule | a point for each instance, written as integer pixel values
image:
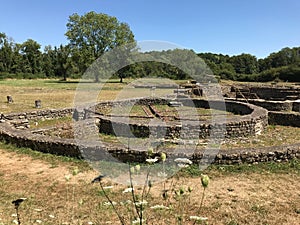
(83, 81)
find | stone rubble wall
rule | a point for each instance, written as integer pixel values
(285, 118)
(69, 147)
(287, 105)
(72, 148)
(253, 121)
(21, 120)
(274, 92)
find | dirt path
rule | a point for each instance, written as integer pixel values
(13, 163)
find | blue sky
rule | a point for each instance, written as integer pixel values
(232, 27)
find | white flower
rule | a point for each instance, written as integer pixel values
(108, 203)
(127, 202)
(152, 160)
(181, 165)
(51, 216)
(128, 190)
(108, 187)
(144, 202)
(162, 174)
(15, 222)
(90, 223)
(67, 177)
(138, 221)
(38, 221)
(198, 218)
(183, 160)
(14, 215)
(38, 210)
(159, 207)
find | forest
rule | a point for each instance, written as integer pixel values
(93, 34)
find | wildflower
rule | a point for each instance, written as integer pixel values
(15, 221)
(162, 174)
(159, 207)
(163, 156)
(183, 160)
(138, 221)
(144, 202)
(132, 170)
(150, 151)
(152, 160)
(109, 203)
(80, 202)
(75, 171)
(137, 168)
(127, 202)
(17, 202)
(67, 177)
(98, 179)
(108, 187)
(204, 180)
(38, 221)
(181, 165)
(38, 210)
(51, 216)
(128, 190)
(198, 218)
(90, 223)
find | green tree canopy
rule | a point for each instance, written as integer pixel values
(32, 55)
(93, 34)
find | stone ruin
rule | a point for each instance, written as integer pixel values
(255, 110)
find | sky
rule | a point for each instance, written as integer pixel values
(257, 27)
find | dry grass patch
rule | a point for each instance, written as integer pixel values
(62, 193)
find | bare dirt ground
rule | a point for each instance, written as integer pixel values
(58, 195)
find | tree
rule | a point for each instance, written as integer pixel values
(6, 53)
(62, 61)
(48, 61)
(32, 55)
(244, 64)
(93, 34)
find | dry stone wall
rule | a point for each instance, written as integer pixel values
(253, 121)
(69, 147)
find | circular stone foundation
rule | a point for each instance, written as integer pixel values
(241, 119)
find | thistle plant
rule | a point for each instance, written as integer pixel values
(177, 198)
(17, 204)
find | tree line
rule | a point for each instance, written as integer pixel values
(93, 34)
(283, 65)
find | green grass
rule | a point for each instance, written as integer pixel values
(48, 123)
(292, 166)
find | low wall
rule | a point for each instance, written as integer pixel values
(275, 92)
(37, 115)
(253, 122)
(296, 106)
(101, 151)
(97, 151)
(269, 105)
(285, 118)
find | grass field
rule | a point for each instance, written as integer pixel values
(60, 94)
(58, 190)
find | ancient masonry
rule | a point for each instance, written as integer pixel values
(256, 108)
